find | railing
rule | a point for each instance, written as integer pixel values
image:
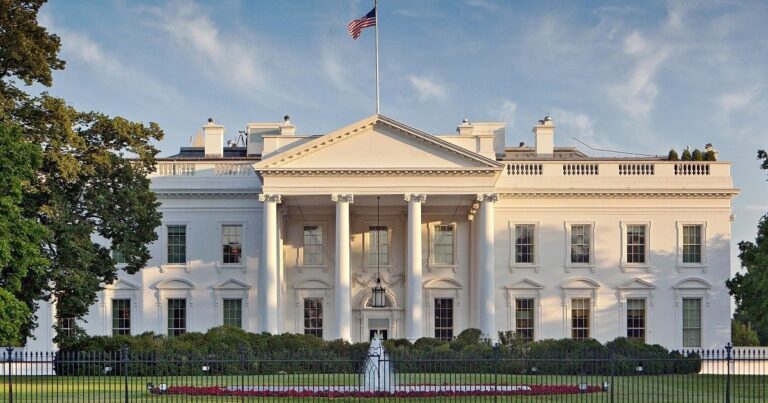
(176, 169)
(618, 168)
(724, 375)
(581, 169)
(524, 169)
(636, 169)
(692, 168)
(233, 169)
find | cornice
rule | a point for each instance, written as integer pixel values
(181, 194)
(622, 194)
(379, 172)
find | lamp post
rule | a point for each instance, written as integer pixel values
(378, 294)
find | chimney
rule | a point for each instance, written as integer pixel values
(545, 133)
(287, 128)
(214, 139)
(465, 128)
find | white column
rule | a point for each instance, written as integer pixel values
(343, 305)
(268, 282)
(486, 289)
(414, 304)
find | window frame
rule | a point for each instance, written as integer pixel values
(534, 309)
(224, 311)
(452, 317)
(697, 288)
(432, 237)
(112, 316)
(164, 240)
(513, 264)
(243, 265)
(524, 289)
(322, 307)
(367, 264)
(168, 316)
(580, 287)
(644, 337)
(590, 317)
(300, 263)
(638, 288)
(593, 258)
(232, 289)
(312, 288)
(700, 328)
(625, 264)
(701, 265)
(114, 250)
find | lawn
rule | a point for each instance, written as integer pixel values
(663, 388)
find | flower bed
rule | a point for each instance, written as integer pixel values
(401, 391)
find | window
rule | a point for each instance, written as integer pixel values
(117, 255)
(636, 243)
(692, 243)
(313, 245)
(581, 243)
(444, 245)
(524, 318)
(233, 312)
(121, 317)
(177, 316)
(691, 322)
(378, 245)
(313, 316)
(636, 319)
(232, 240)
(67, 327)
(177, 244)
(524, 243)
(580, 318)
(444, 318)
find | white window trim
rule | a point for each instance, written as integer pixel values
(513, 250)
(580, 288)
(636, 289)
(112, 255)
(691, 287)
(232, 289)
(300, 258)
(366, 234)
(312, 289)
(432, 238)
(524, 289)
(120, 289)
(442, 288)
(592, 258)
(183, 289)
(703, 265)
(647, 265)
(243, 265)
(164, 241)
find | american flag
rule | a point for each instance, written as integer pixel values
(356, 26)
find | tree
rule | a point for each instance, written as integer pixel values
(672, 156)
(748, 288)
(696, 155)
(686, 155)
(93, 173)
(743, 334)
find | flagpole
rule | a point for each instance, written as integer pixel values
(376, 15)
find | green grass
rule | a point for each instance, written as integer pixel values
(663, 388)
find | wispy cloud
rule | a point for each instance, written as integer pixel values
(505, 111)
(736, 101)
(427, 88)
(484, 4)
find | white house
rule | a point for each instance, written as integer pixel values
(289, 233)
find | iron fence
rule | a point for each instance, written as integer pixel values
(727, 375)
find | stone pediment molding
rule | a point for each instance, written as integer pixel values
(524, 284)
(231, 284)
(379, 172)
(184, 194)
(121, 285)
(443, 283)
(175, 284)
(637, 284)
(312, 284)
(580, 284)
(277, 164)
(636, 287)
(692, 283)
(621, 194)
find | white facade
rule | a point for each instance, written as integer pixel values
(542, 240)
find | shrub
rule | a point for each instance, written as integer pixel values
(686, 155)
(710, 156)
(697, 156)
(742, 334)
(672, 156)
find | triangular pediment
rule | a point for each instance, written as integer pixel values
(121, 285)
(525, 284)
(637, 284)
(231, 284)
(377, 143)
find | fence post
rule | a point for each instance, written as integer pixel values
(125, 370)
(728, 358)
(9, 359)
(496, 356)
(242, 372)
(612, 385)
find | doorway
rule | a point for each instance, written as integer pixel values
(378, 325)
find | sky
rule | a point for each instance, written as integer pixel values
(639, 77)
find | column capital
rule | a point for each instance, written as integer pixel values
(488, 197)
(346, 198)
(270, 197)
(417, 197)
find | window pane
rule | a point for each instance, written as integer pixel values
(692, 243)
(313, 316)
(443, 245)
(444, 318)
(177, 244)
(524, 318)
(232, 239)
(524, 246)
(636, 240)
(313, 245)
(233, 312)
(636, 319)
(177, 316)
(580, 311)
(581, 243)
(378, 245)
(121, 317)
(117, 254)
(691, 322)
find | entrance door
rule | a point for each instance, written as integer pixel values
(380, 326)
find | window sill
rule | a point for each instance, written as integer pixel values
(221, 266)
(174, 266)
(687, 266)
(534, 266)
(639, 266)
(570, 266)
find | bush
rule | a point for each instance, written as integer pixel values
(697, 155)
(686, 155)
(672, 156)
(742, 334)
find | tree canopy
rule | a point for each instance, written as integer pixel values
(90, 177)
(748, 288)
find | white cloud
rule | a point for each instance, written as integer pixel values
(427, 88)
(484, 4)
(505, 111)
(738, 100)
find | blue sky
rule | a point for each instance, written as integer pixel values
(641, 76)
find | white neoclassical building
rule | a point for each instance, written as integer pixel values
(288, 233)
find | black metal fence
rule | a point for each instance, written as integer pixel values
(728, 375)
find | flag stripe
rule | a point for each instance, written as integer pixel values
(355, 27)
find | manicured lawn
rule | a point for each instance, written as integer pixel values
(666, 388)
